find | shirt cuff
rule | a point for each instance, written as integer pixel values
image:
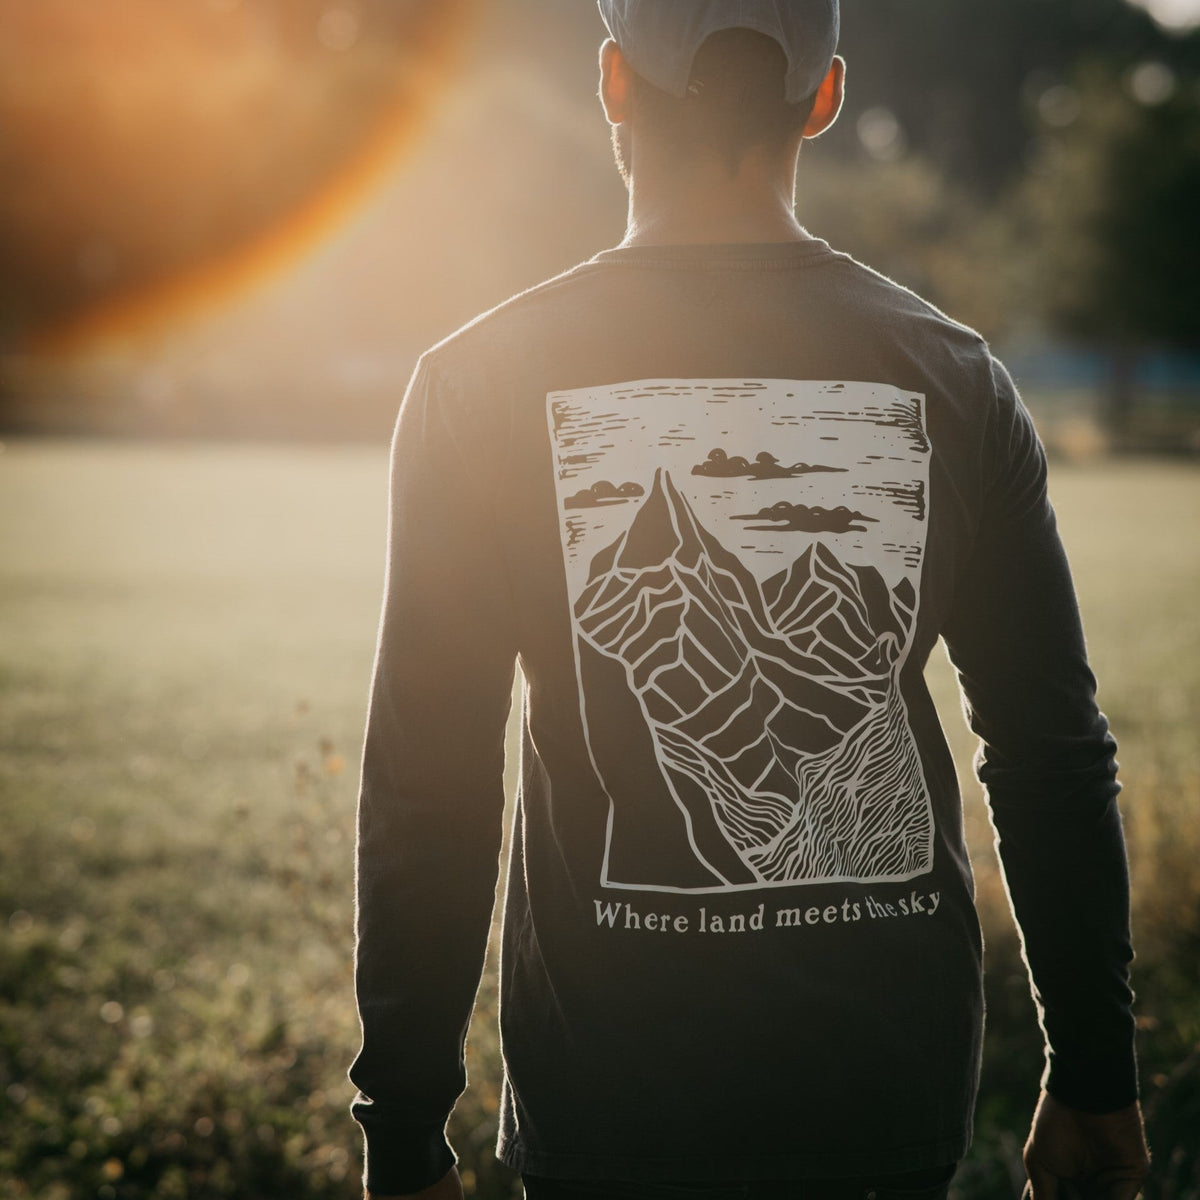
(399, 1161)
(1098, 1082)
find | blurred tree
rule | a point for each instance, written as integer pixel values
(986, 161)
(1111, 201)
(962, 77)
(910, 222)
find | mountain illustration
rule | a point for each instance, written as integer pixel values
(773, 707)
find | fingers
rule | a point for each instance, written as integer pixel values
(1125, 1190)
(1125, 1187)
(1045, 1185)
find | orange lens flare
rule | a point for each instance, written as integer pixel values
(214, 279)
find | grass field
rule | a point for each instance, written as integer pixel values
(185, 642)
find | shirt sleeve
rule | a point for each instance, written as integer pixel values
(1046, 760)
(431, 799)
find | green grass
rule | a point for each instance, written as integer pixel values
(185, 644)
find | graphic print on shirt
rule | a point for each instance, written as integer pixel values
(743, 563)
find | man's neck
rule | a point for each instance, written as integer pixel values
(706, 205)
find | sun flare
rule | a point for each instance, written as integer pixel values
(161, 158)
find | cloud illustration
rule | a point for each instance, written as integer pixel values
(603, 493)
(803, 518)
(721, 465)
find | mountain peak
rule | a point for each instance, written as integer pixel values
(664, 528)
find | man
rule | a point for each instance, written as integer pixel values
(720, 490)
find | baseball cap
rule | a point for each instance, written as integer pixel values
(660, 38)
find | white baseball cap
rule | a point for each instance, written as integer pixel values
(659, 38)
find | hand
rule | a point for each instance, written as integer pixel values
(449, 1187)
(1099, 1156)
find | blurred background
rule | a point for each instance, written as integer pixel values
(227, 229)
(245, 218)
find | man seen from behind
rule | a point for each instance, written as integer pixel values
(719, 491)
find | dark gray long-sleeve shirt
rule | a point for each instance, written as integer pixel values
(721, 503)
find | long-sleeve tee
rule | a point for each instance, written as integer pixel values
(720, 503)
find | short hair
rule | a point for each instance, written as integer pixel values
(734, 102)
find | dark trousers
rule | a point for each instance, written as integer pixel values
(932, 1184)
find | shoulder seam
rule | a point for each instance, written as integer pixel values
(489, 314)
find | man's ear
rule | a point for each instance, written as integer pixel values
(616, 83)
(829, 99)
